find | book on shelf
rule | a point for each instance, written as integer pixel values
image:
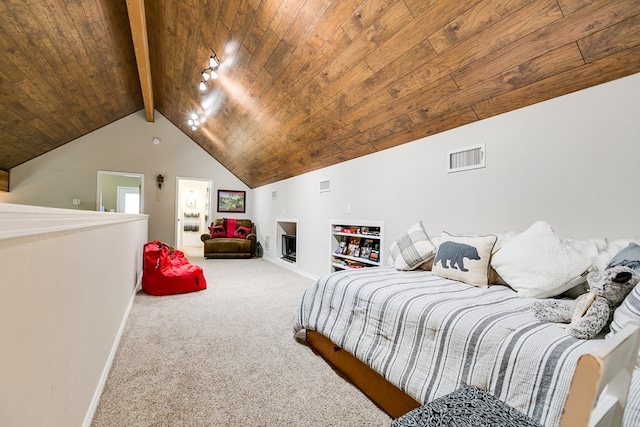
(353, 264)
(365, 250)
(354, 247)
(370, 231)
(353, 229)
(375, 254)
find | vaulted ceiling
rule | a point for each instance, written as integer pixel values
(303, 84)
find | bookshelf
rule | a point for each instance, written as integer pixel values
(356, 244)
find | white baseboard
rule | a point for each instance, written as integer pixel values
(107, 367)
(290, 266)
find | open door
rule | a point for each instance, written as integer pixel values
(193, 211)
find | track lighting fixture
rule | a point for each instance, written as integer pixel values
(207, 74)
(194, 121)
(214, 62)
(211, 72)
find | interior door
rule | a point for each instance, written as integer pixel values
(193, 210)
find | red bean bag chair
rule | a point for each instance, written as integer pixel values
(167, 272)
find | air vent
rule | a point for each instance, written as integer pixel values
(266, 243)
(325, 185)
(466, 158)
(274, 194)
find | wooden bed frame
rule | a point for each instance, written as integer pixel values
(387, 396)
(611, 364)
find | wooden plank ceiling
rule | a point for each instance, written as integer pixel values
(303, 83)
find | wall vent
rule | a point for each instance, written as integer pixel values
(325, 185)
(466, 158)
(266, 243)
(274, 195)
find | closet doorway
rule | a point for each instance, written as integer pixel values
(193, 211)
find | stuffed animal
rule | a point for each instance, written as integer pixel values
(588, 314)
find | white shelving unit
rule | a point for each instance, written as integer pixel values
(356, 244)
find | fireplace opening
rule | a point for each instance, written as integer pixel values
(289, 247)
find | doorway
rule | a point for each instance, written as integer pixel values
(193, 211)
(128, 200)
(120, 192)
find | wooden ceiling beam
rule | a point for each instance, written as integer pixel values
(4, 181)
(138, 23)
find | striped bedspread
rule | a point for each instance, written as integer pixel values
(429, 335)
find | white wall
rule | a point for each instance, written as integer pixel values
(67, 281)
(573, 161)
(70, 171)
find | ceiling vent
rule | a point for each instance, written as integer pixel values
(466, 158)
(325, 185)
(274, 195)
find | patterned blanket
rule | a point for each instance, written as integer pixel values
(429, 336)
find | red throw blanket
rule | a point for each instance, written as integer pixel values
(230, 225)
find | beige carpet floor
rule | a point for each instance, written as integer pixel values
(226, 356)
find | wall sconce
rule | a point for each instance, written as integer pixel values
(160, 180)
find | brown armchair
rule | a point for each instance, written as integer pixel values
(229, 238)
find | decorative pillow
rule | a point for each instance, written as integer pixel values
(230, 226)
(606, 250)
(242, 232)
(494, 277)
(464, 258)
(629, 257)
(217, 231)
(502, 239)
(539, 264)
(428, 265)
(629, 310)
(412, 248)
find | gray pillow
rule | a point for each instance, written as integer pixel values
(412, 248)
(629, 257)
(630, 308)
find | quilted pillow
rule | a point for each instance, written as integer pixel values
(538, 264)
(242, 232)
(464, 258)
(217, 231)
(412, 248)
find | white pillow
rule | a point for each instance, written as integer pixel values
(539, 264)
(464, 258)
(503, 238)
(412, 248)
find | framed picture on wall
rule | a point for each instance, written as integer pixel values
(231, 201)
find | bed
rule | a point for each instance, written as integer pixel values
(408, 337)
